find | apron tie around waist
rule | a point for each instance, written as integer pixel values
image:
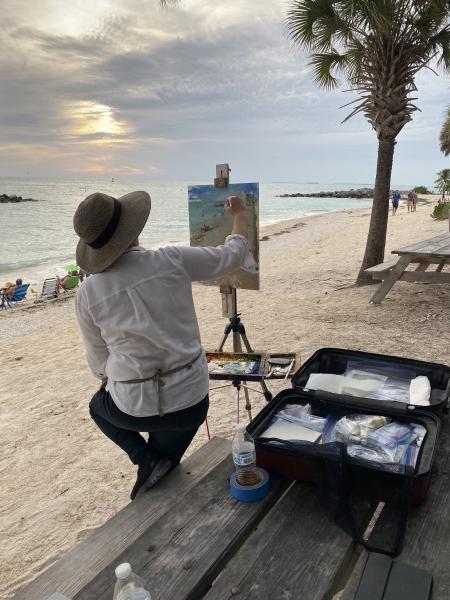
(158, 379)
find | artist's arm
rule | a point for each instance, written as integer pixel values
(96, 349)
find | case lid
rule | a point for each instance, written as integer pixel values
(335, 359)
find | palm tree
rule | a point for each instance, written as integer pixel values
(444, 137)
(379, 46)
(443, 182)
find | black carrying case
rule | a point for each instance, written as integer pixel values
(334, 360)
(329, 465)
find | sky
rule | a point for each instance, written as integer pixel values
(124, 88)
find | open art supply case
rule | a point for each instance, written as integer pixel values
(328, 464)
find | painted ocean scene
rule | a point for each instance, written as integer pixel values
(209, 225)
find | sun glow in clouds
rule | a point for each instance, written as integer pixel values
(91, 119)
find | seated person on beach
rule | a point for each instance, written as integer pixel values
(139, 327)
(62, 282)
(9, 288)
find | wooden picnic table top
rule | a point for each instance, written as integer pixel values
(436, 247)
(189, 540)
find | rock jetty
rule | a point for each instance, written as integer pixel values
(13, 198)
(358, 193)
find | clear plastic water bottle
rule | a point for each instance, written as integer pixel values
(128, 585)
(244, 456)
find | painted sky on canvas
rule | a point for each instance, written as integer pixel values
(122, 87)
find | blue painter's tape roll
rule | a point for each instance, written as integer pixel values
(250, 493)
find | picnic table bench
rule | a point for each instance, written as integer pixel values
(189, 539)
(434, 251)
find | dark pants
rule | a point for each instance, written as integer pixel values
(169, 435)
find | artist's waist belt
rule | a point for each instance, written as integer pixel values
(159, 375)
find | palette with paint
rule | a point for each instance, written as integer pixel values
(246, 366)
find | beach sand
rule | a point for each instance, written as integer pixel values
(61, 478)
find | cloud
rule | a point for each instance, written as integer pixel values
(128, 87)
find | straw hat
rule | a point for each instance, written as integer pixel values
(107, 226)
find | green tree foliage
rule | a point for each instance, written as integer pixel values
(378, 46)
(421, 189)
(441, 211)
(443, 181)
(444, 137)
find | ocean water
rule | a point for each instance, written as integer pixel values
(37, 239)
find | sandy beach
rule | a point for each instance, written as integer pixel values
(61, 478)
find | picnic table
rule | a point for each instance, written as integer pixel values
(434, 251)
(189, 539)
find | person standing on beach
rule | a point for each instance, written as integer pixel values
(410, 201)
(395, 202)
(138, 323)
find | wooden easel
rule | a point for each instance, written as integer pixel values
(235, 325)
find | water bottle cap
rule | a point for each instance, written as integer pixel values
(240, 427)
(123, 571)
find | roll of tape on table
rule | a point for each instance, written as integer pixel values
(250, 493)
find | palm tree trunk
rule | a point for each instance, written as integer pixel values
(376, 240)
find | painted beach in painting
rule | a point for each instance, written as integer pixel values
(209, 224)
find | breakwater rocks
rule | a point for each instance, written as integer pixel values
(359, 193)
(13, 198)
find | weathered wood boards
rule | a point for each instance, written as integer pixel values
(178, 536)
(83, 562)
(182, 552)
(433, 251)
(298, 551)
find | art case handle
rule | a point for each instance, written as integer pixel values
(314, 453)
(346, 500)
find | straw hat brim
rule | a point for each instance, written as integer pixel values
(133, 217)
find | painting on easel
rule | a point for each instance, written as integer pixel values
(209, 225)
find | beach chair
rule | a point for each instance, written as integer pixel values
(20, 294)
(49, 289)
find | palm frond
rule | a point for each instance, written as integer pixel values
(444, 137)
(378, 46)
(323, 65)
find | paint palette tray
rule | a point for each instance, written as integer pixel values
(281, 365)
(244, 366)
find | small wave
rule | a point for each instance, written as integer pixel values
(24, 264)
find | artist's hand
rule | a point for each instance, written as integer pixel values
(234, 206)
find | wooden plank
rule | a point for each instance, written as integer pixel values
(383, 267)
(181, 553)
(431, 277)
(441, 265)
(428, 530)
(83, 562)
(392, 277)
(422, 266)
(298, 551)
(419, 247)
(351, 586)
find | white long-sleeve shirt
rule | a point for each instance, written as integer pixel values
(138, 317)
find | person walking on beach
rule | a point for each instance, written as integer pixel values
(410, 201)
(137, 320)
(395, 202)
